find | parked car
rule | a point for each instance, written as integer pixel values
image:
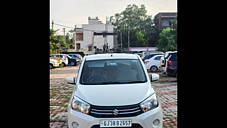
(78, 57)
(87, 54)
(80, 53)
(65, 60)
(164, 60)
(172, 65)
(138, 53)
(72, 61)
(149, 55)
(104, 94)
(153, 64)
(54, 63)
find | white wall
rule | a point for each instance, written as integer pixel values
(98, 40)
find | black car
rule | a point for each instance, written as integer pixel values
(72, 61)
(166, 56)
(172, 65)
(78, 57)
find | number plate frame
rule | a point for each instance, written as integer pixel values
(115, 123)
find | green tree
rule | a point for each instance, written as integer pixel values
(53, 42)
(140, 35)
(59, 43)
(167, 40)
(69, 42)
(135, 20)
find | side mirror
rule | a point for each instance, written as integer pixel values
(70, 80)
(154, 77)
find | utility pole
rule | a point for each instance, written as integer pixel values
(128, 39)
(105, 39)
(121, 41)
(74, 37)
(64, 34)
(93, 39)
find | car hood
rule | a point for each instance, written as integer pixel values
(114, 95)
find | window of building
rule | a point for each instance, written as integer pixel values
(79, 36)
(165, 23)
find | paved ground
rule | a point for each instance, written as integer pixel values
(60, 92)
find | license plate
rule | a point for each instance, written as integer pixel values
(115, 123)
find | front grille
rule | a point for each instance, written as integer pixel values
(133, 126)
(115, 111)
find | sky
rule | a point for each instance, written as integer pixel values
(76, 12)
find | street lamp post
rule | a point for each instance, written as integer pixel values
(121, 43)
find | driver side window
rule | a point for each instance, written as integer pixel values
(157, 58)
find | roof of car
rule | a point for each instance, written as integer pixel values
(171, 51)
(73, 54)
(111, 56)
(58, 54)
(158, 55)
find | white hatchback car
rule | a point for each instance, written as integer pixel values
(153, 64)
(65, 60)
(113, 90)
(54, 63)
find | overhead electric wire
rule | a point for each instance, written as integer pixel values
(74, 28)
(63, 25)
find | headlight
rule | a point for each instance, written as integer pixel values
(79, 105)
(150, 103)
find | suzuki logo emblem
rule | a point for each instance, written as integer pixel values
(115, 112)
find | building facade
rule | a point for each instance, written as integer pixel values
(164, 19)
(89, 37)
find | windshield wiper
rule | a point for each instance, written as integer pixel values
(100, 83)
(125, 82)
(134, 82)
(110, 82)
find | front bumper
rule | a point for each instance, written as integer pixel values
(56, 64)
(145, 120)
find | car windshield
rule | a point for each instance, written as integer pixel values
(117, 71)
(72, 55)
(146, 57)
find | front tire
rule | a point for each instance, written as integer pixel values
(62, 65)
(73, 63)
(154, 69)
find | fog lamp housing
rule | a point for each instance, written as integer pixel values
(75, 125)
(156, 122)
